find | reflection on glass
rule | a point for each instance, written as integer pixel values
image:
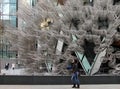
(13, 20)
(5, 17)
(5, 1)
(8, 12)
(86, 64)
(12, 9)
(5, 9)
(8, 16)
(12, 1)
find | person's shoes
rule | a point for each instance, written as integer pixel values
(73, 86)
(78, 86)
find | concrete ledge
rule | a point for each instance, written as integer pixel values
(57, 80)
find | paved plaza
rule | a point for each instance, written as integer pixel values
(109, 86)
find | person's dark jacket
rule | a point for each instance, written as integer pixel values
(75, 67)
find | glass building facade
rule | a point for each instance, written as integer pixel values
(8, 16)
(8, 10)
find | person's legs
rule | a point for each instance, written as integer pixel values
(73, 78)
(77, 80)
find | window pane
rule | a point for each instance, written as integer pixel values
(12, 9)
(5, 9)
(5, 1)
(13, 1)
(1, 9)
(5, 17)
(8, 54)
(6, 20)
(13, 20)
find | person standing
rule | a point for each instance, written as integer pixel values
(75, 74)
(7, 66)
(13, 66)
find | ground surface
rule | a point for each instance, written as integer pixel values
(113, 86)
